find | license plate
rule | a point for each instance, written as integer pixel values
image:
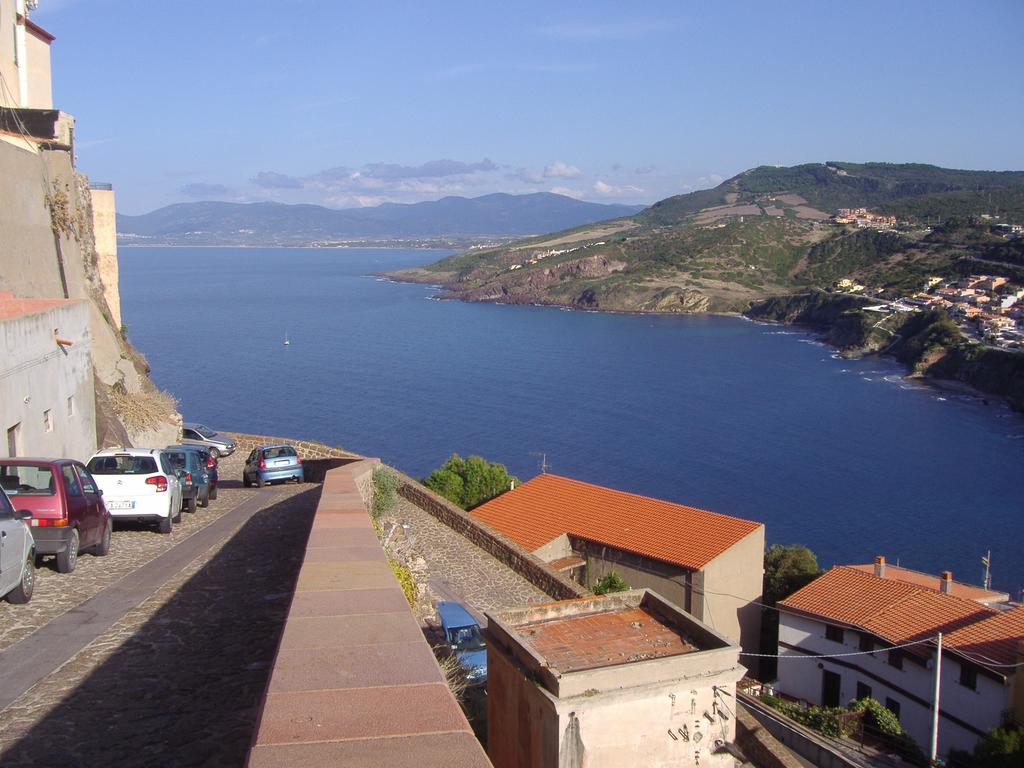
(282, 463)
(120, 505)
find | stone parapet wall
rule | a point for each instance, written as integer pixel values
(760, 747)
(307, 449)
(354, 681)
(518, 559)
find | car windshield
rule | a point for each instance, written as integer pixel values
(465, 638)
(122, 464)
(279, 452)
(26, 480)
(205, 431)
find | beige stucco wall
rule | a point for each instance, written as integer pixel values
(37, 375)
(10, 96)
(727, 590)
(666, 579)
(1018, 687)
(104, 225)
(40, 87)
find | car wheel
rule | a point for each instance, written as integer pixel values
(23, 592)
(213, 494)
(246, 482)
(205, 500)
(166, 524)
(68, 559)
(103, 548)
(260, 482)
(215, 453)
(190, 504)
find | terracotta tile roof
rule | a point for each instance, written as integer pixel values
(899, 612)
(931, 581)
(11, 306)
(548, 506)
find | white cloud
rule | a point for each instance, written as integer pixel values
(567, 191)
(560, 170)
(608, 190)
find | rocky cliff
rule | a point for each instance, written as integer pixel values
(48, 250)
(928, 343)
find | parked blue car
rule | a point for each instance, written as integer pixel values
(462, 634)
(195, 480)
(206, 459)
(272, 464)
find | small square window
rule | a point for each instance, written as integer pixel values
(896, 659)
(863, 691)
(48, 420)
(866, 643)
(71, 405)
(893, 706)
(835, 634)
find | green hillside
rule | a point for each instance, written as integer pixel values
(763, 232)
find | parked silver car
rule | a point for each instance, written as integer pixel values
(198, 434)
(17, 553)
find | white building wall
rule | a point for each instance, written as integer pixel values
(911, 686)
(37, 375)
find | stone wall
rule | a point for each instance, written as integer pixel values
(520, 560)
(760, 747)
(104, 226)
(354, 681)
(307, 449)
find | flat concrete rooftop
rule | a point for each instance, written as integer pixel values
(602, 638)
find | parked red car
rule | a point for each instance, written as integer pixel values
(68, 513)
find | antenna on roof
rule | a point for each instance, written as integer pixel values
(987, 578)
(543, 464)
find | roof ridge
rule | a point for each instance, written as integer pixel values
(608, 489)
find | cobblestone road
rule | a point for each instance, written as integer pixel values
(455, 568)
(177, 681)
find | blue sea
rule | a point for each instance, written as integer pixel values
(758, 421)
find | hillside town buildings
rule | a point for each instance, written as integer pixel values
(874, 633)
(708, 563)
(862, 217)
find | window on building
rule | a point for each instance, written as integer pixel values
(835, 634)
(893, 706)
(14, 439)
(968, 677)
(48, 420)
(863, 691)
(71, 405)
(866, 643)
(896, 658)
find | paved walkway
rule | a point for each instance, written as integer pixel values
(166, 664)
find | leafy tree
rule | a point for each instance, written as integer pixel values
(1001, 748)
(469, 482)
(787, 568)
(610, 582)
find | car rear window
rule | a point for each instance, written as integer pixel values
(279, 453)
(26, 480)
(122, 465)
(205, 431)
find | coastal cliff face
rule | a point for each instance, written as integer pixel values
(49, 251)
(928, 343)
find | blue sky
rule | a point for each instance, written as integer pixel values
(351, 103)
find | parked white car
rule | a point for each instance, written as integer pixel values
(138, 484)
(17, 554)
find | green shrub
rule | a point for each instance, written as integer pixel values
(405, 581)
(385, 492)
(610, 582)
(469, 482)
(878, 717)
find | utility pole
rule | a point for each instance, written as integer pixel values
(933, 752)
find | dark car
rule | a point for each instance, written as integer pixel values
(216, 443)
(272, 464)
(195, 480)
(68, 513)
(210, 461)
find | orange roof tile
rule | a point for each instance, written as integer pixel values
(548, 506)
(899, 612)
(11, 306)
(931, 581)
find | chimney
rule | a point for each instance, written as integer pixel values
(880, 566)
(947, 583)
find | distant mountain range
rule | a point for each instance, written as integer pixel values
(765, 232)
(498, 215)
